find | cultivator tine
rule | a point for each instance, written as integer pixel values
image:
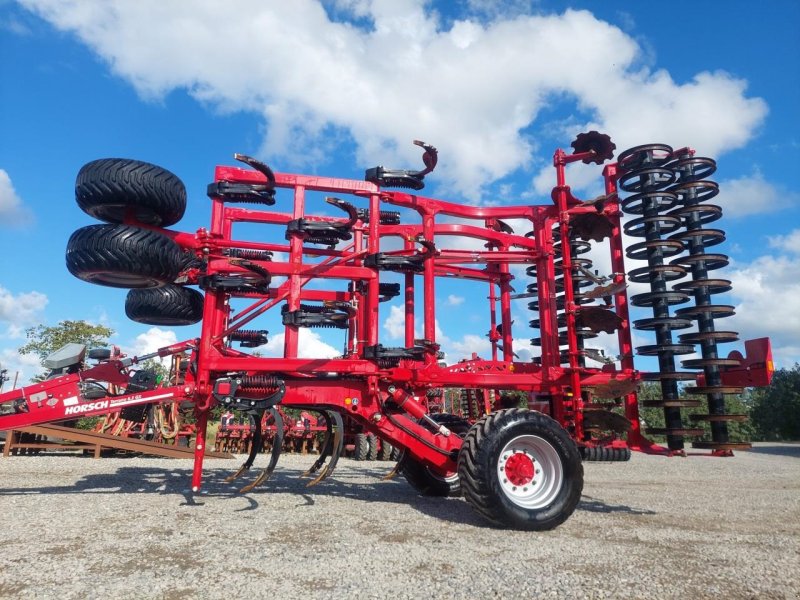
(326, 447)
(395, 470)
(334, 447)
(255, 447)
(277, 445)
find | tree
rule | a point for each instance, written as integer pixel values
(44, 340)
(776, 409)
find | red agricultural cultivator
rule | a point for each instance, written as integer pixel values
(302, 268)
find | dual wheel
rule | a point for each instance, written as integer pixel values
(120, 255)
(517, 468)
(369, 447)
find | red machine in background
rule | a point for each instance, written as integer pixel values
(517, 467)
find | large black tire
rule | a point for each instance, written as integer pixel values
(427, 481)
(372, 454)
(123, 256)
(520, 469)
(362, 447)
(110, 189)
(166, 305)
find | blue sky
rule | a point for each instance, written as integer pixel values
(338, 86)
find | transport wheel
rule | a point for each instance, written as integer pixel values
(427, 481)
(110, 189)
(372, 454)
(166, 305)
(362, 447)
(123, 256)
(395, 456)
(385, 452)
(520, 469)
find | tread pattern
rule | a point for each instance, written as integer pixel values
(605, 454)
(362, 447)
(122, 256)
(372, 454)
(107, 188)
(166, 305)
(476, 467)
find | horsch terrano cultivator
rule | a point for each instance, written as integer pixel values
(517, 467)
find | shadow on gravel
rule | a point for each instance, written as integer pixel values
(175, 482)
(590, 504)
(777, 450)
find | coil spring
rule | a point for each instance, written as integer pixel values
(645, 173)
(693, 189)
(249, 337)
(579, 281)
(259, 385)
(248, 254)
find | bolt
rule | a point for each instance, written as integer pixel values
(505, 480)
(513, 488)
(524, 489)
(377, 417)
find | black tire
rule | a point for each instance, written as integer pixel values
(362, 447)
(109, 189)
(372, 454)
(123, 256)
(166, 305)
(425, 480)
(100, 353)
(395, 455)
(385, 452)
(541, 452)
(605, 454)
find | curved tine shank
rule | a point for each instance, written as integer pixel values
(327, 446)
(337, 446)
(255, 447)
(277, 445)
(395, 470)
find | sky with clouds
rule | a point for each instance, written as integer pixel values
(336, 86)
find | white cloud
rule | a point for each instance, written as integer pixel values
(20, 311)
(752, 194)
(788, 243)
(767, 300)
(471, 89)
(470, 343)
(19, 367)
(309, 345)
(395, 323)
(453, 300)
(153, 339)
(12, 211)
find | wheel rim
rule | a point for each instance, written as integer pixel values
(122, 279)
(529, 471)
(449, 477)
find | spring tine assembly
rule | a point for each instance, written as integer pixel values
(277, 445)
(333, 446)
(693, 189)
(644, 172)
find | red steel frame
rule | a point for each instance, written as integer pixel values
(362, 387)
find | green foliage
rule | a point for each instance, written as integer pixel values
(776, 409)
(44, 340)
(736, 404)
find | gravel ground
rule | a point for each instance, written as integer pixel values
(691, 528)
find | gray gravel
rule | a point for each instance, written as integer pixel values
(74, 527)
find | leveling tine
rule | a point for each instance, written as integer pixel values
(277, 445)
(333, 446)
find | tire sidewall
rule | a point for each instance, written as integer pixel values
(569, 494)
